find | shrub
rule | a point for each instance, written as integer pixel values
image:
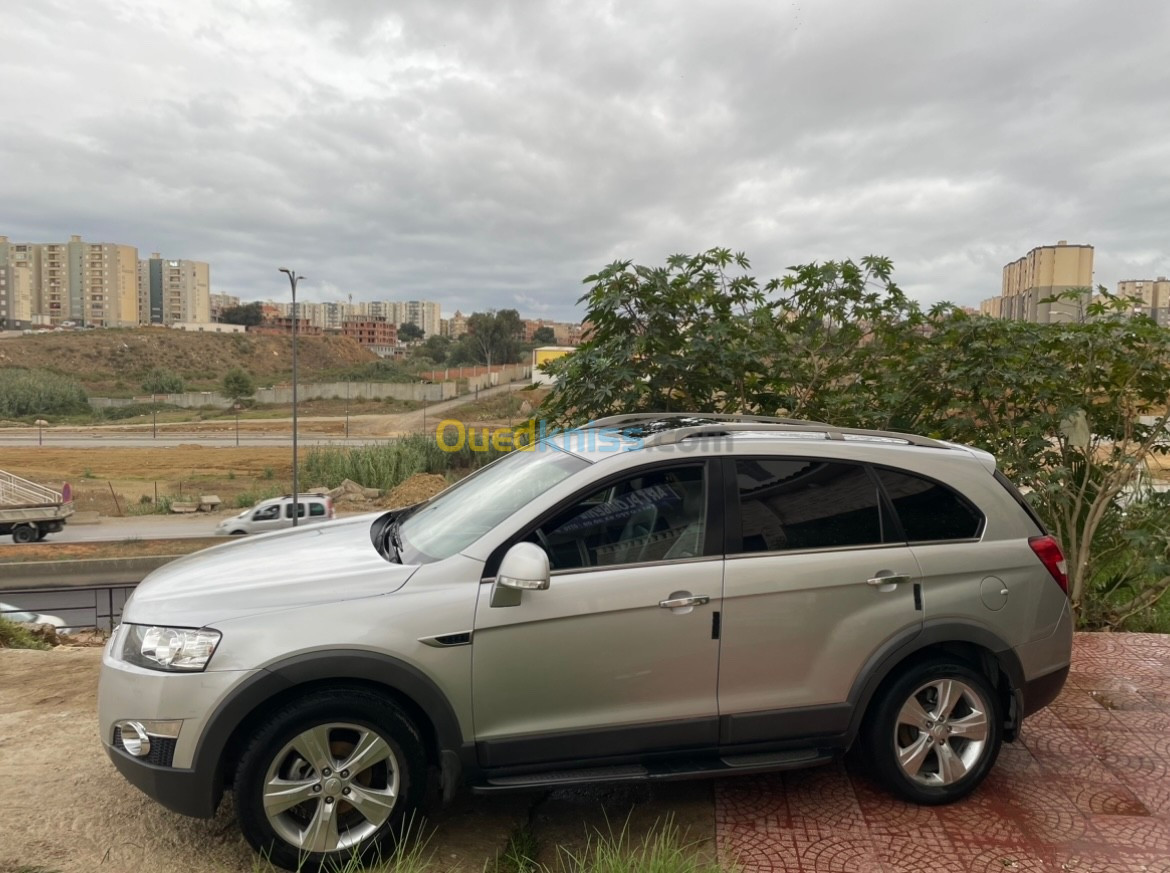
(39, 392)
(15, 636)
(160, 380)
(387, 465)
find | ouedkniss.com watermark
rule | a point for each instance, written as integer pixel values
(532, 436)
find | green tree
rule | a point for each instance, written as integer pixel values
(159, 380)
(409, 332)
(249, 314)
(238, 384)
(544, 336)
(434, 349)
(493, 337)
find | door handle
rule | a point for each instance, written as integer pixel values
(682, 602)
(888, 579)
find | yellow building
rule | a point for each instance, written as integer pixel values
(1154, 295)
(1042, 273)
(543, 355)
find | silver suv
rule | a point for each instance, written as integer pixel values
(649, 597)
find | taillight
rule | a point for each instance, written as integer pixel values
(1048, 551)
(329, 507)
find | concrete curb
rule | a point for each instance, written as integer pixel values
(81, 573)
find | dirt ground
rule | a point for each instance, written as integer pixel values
(65, 809)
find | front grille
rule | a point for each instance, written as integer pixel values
(162, 749)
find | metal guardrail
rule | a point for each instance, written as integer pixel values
(97, 606)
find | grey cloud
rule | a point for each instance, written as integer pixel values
(494, 154)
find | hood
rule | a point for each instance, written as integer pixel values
(318, 563)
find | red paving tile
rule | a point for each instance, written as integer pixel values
(1086, 789)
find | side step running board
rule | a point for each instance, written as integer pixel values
(689, 768)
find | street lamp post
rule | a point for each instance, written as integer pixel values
(293, 278)
(41, 423)
(236, 406)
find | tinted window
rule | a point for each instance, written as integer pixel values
(928, 510)
(657, 515)
(316, 510)
(796, 504)
(267, 513)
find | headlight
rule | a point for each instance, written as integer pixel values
(175, 649)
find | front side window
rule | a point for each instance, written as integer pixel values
(793, 504)
(658, 514)
(267, 513)
(928, 510)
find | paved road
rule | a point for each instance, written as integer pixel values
(146, 528)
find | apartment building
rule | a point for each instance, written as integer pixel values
(174, 291)
(1043, 273)
(376, 334)
(219, 302)
(1154, 295)
(76, 281)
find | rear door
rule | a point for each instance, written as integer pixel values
(816, 581)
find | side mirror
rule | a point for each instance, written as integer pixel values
(524, 568)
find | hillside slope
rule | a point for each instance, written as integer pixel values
(115, 361)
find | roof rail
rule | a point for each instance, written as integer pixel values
(635, 417)
(670, 437)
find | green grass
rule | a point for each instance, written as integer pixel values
(245, 499)
(662, 849)
(387, 465)
(15, 636)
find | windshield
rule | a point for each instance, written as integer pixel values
(464, 513)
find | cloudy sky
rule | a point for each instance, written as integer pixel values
(492, 154)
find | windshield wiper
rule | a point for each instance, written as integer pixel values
(394, 540)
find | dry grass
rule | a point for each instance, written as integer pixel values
(129, 548)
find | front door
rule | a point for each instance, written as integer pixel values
(816, 581)
(618, 656)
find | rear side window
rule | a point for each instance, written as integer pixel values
(806, 504)
(928, 510)
(317, 510)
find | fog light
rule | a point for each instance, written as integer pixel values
(135, 740)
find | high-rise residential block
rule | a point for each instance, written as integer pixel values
(173, 291)
(76, 281)
(1045, 272)
(1153, 294)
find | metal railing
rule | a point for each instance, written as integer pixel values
(15, 491)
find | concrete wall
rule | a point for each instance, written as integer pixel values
(417, 391)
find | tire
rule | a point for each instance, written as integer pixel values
(913, 741)
(24, 533)
(325, 830)
(238, 533)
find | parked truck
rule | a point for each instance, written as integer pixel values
(29, 511)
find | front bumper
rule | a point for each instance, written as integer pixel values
(185, 791)
(127, 692)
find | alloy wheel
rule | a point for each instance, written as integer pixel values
(941, 732)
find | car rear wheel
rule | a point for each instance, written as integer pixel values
(332, 776)
(936, 732)
(24, 533)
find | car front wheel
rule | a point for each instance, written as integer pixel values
(935, 733)
(332, 776)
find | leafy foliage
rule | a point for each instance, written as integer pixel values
(250, 314)
(544, 336)
(160, 380)
(492, 338)
(26, 393)
(238, 384)
(1072, 411)
(409, 332)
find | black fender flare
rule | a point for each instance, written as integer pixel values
(336, 664)
(902, 646)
